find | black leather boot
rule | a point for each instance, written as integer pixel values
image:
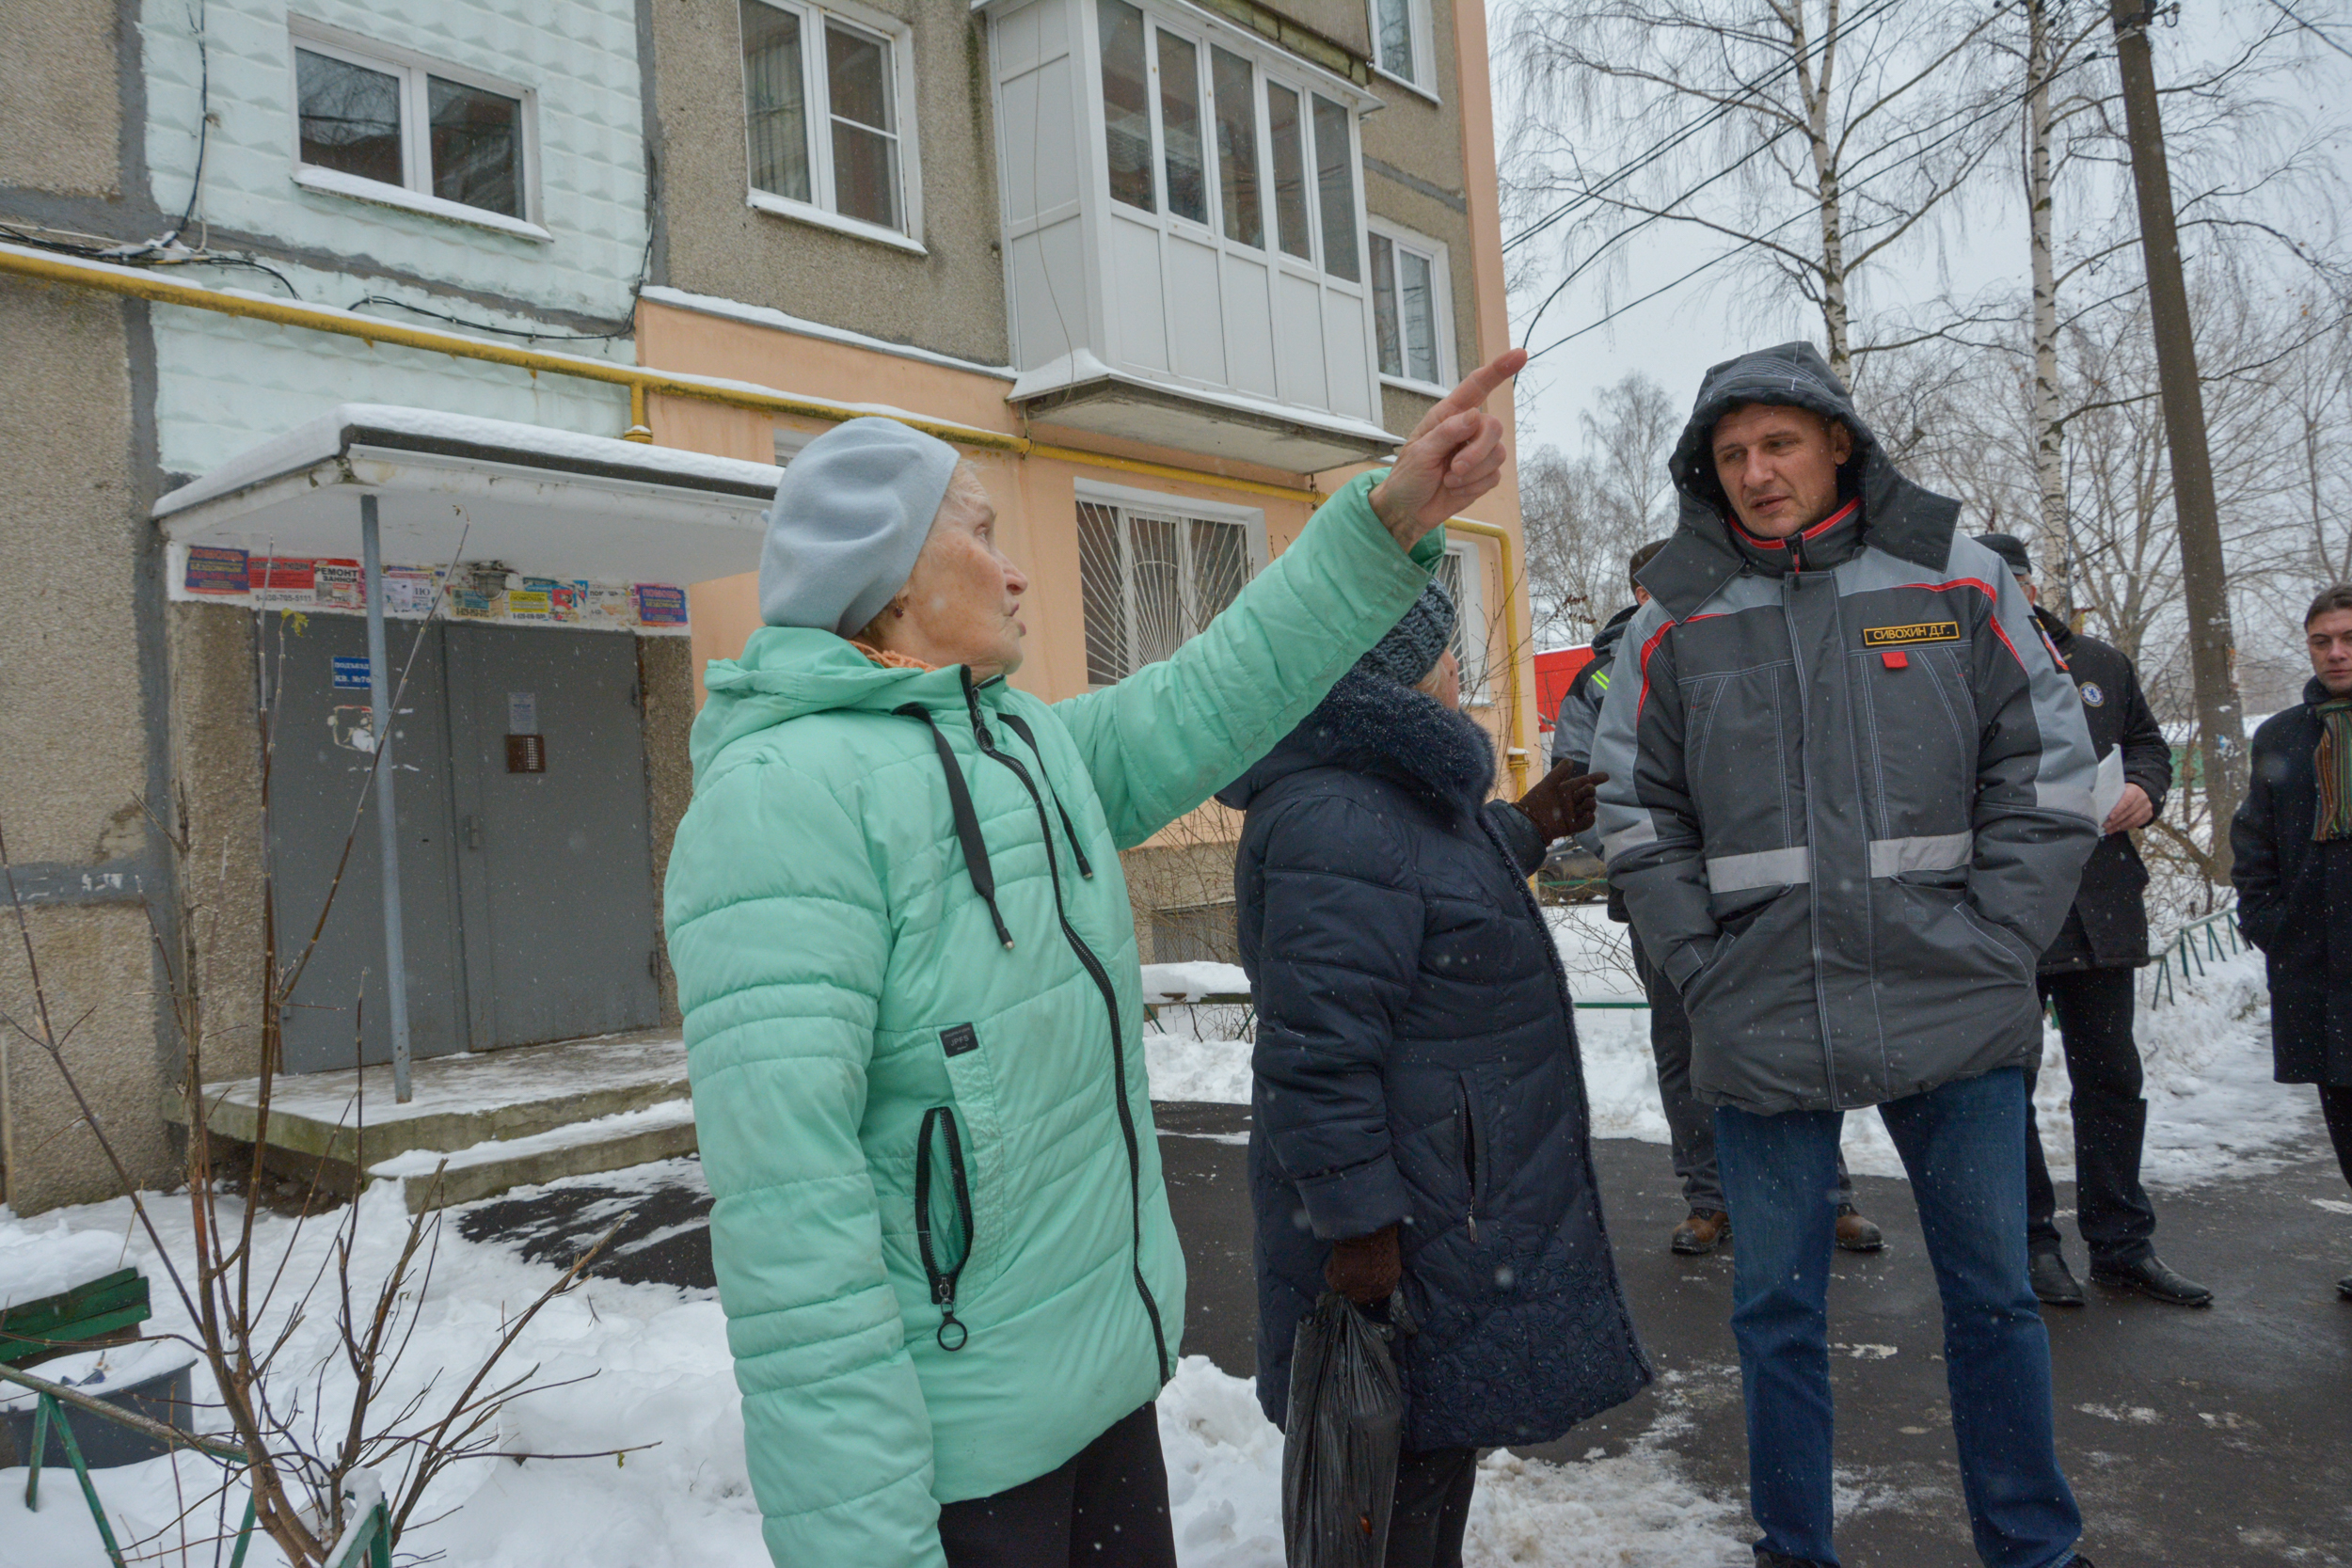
(2153, 1279)
(2054, 1283)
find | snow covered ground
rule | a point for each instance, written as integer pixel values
(2213, 1110)
(656, 1371)
(655, 1363)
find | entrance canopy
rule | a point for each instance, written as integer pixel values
(545, 500)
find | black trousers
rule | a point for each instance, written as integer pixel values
(1432, 1509)
(2094, 1017)
(1107, 1507)
(2335, 1103)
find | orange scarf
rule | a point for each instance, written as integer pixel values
(890, 661)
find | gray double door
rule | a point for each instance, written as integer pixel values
(525, 870)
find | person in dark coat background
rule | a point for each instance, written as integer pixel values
(1419, 1122)
(1689, 1124)
(2293, 845)
(2089, 974)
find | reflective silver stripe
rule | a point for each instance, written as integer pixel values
(1633, 835)
(1937, 852)
(1764, 868)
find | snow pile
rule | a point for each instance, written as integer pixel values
(1633, 1510)
(1183, 1065)
(38, 1263)
(1190, 982)
(102, 1372)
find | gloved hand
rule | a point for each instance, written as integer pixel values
(1365, 1269)
(1562, 802)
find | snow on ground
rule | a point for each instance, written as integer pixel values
(655, 1371)
(2213, 1110)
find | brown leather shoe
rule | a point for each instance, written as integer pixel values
(1703, 1232)
(1856, 1234)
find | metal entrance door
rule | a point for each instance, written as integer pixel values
(318, 766)
(547, 746)
(526, 866)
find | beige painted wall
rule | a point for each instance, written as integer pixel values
(61, 128)
(951, 300)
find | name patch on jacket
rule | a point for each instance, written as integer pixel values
(1911, 635)
(962, 1038)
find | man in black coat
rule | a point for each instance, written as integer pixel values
(2293, 844)
(1419, 1127)
(2089, 976)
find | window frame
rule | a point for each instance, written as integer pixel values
(898, 37)
(1208, 35)
(415, 193)
(1441, 293)
(1424, 29)
(1127, 502)
(1470, 632)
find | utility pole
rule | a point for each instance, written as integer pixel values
(2205, 577)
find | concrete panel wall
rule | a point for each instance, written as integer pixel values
(216, 741)
(72, 728)
(57, 78)
(94, 973)
(665, 667)
(951, 300)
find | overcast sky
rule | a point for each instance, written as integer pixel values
(1676, 335)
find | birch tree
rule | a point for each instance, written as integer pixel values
(1810, 139)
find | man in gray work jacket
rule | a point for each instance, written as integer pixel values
(1689, 1124)
(1849, 798)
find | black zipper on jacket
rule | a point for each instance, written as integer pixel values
(1110, 1003)
(943, 1281)
(1469, 1151)
(1019, 726)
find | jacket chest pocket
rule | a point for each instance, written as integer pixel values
(1744, 745)
(1921, 723)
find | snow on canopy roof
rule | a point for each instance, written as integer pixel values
(351, 424)
(548, 502)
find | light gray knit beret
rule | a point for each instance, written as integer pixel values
(847, 522)
(1417, 641)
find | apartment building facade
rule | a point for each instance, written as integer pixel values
(512, 314)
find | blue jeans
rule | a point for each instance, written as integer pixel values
(1964, 1146)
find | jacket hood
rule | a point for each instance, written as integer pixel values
(1900, 517)
(1606, 640)
(785, 672)
(1371, 725)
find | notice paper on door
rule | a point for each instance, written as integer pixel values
(522, 713)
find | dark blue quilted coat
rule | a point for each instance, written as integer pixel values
(1416, 1062)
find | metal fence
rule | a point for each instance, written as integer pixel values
(2184, 957)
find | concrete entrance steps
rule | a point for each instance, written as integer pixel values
(499, 1118)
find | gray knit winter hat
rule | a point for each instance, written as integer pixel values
(1415, 643)
(850, 518)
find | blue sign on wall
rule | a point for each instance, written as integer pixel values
(351, 671)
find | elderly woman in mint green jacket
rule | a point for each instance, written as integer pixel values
(913, 1008)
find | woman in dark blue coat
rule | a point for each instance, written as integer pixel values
(1419, 1117)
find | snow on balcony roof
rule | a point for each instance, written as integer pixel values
(545, 500)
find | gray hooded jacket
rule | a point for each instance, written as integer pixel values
(1849, 789)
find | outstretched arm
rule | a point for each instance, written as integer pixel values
(1159, 742)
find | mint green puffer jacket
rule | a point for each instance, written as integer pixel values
(913, 1016)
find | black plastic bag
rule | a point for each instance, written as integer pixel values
(1346, 1428)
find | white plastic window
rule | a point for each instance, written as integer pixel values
(1403, 43)
(386, 124)
(828, 120)
(1459, 570)
(1277, 161)
(1412, 309)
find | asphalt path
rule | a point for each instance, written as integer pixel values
(2210, 1438)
